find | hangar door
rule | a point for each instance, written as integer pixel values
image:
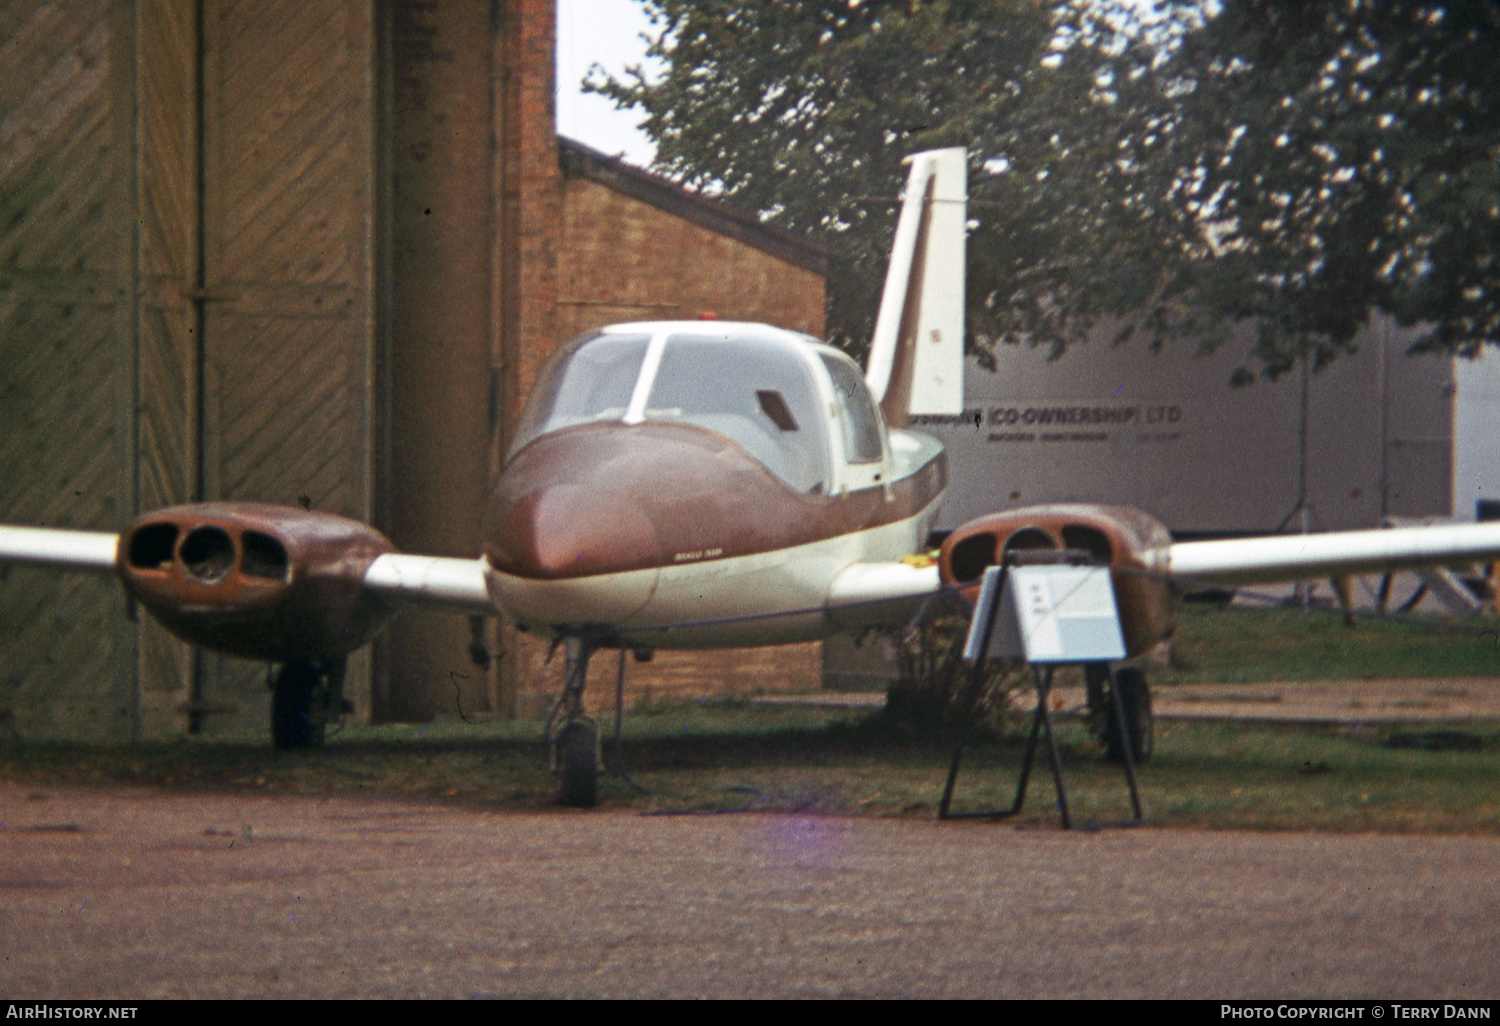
(65, 327)
(192, 186)
(256, 360)
(287, 362)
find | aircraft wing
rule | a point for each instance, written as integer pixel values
(456, 584)
(869, 593)
(279, 584)
(1333, 554)
(90, 551)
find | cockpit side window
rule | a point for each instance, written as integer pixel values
(589, 379)
(760, 396)
(860, 418)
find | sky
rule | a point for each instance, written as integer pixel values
(606, 32)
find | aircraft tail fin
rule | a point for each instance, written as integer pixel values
(916, 363)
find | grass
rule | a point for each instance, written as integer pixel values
(722, 755)
(1236, 645)
(704, 757)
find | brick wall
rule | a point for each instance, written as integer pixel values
(686, 676)
(625, 259)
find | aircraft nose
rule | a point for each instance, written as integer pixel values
(570, 530)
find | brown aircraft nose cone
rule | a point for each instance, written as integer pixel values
(570, 530)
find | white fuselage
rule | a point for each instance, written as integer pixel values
(768, 598)
(682, 485)
(764, 599)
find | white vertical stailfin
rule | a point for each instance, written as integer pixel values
(916, 361)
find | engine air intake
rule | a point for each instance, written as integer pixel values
(1090, 540)
(1127, 541)
(972, 556)
(1028, 539)
(208, 554)
(264, 557)
(151, 546)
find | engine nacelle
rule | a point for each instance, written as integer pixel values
(263, 582)
(1125, 539)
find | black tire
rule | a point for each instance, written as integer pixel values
(578, 765)
(1135, 695)
(1096, 681)
(291, 708)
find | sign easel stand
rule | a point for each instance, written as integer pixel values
(1045, 607)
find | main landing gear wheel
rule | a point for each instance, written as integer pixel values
(577, 764)
(293, 723)
(1135, 695)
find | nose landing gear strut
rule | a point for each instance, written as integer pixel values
(572, 735)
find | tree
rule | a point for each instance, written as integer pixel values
(1171, 169)
(803, 109)
(1344, 158)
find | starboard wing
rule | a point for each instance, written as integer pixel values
(90, 551)
(457, 584)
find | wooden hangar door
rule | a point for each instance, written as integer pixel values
(65, 360)
(256, 330)
(288, 338)
(168, 355)
(186, 207)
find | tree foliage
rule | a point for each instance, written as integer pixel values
(1170, 170)
(804, 109)
(1347, 159)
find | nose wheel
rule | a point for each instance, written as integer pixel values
(573, 737)
(575, 758)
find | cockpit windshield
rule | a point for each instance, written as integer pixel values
(759, 395)
(588, 379)
(759, 392)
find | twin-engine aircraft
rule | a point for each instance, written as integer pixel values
(693, 485)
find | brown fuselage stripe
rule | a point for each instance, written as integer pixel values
(598, 499)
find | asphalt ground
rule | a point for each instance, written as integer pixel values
(130, 893)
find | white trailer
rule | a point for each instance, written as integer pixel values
(1387, 436)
